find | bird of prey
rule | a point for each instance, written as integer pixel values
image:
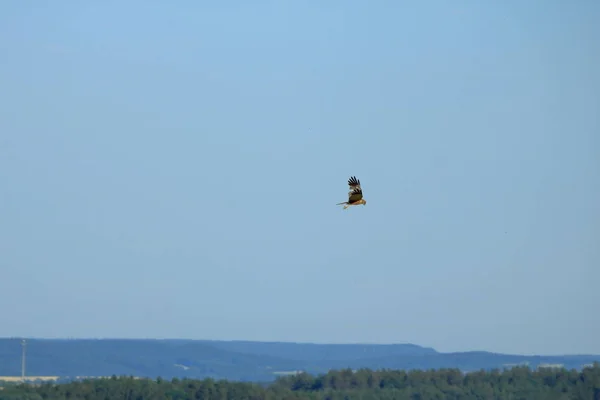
(355, 195)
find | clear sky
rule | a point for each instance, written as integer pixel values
(171, 169)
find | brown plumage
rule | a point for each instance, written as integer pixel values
(355, 195)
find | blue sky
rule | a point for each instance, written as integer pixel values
(171, 170)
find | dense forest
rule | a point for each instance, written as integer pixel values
(516, 383)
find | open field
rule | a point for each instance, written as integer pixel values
(28, 378)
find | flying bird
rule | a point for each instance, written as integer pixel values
(355, 195)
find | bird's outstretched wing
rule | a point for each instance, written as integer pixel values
(355, 193)
(353, 183)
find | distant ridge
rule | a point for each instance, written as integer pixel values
(240, 359)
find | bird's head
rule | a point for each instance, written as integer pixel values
(364, 202)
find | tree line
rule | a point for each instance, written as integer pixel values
(365, 384)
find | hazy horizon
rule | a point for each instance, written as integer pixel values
(18, 338)
(172, 171)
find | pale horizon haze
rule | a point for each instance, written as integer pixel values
(171, 170)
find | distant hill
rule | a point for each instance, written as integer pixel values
(320, 352)
(240, 360)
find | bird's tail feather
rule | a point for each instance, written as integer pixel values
(345, 202)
